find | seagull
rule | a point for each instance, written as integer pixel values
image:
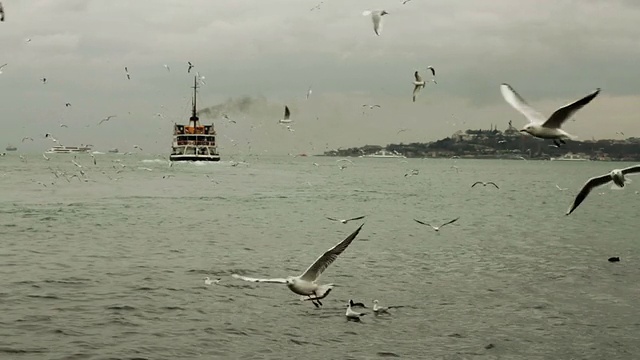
(28, 138)
(616, 175)
(344, 160)
(405, 1)
(127, 72)
(382, 309)
(287, 114)
(208, 281)
(45, 156)
(1, 66)
(228, 119)
(1, 12)
(167, 67)
(485, 184)
(190, 66)
(94, 159)
(376, 17)
(76, 164)
(401, 130)
(433, 71)
(437, 228)
(317, 7)
(44, 80)
(309, 92)
(67, 105)
(106, 119)
(63, 125)
(137, 147)
(344, 221)
(47, 135)
(306, 283)
(353, 315)
(539, 126)
(418, 85)
(371, 106)
(561, 189)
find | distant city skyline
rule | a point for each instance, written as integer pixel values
(272, 52)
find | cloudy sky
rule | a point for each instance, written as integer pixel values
(269, 53)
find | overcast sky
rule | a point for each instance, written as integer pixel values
(550, 51)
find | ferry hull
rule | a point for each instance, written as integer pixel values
(194, 158)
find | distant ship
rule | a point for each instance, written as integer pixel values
(61, 149)
(114, 151)
(11, 148)
(194, 142)
(385, 154)
(570, 157)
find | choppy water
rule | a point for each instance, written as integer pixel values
(113, 269)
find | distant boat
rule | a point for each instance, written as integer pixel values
(114, 151)
(11, 148)
(385, 154)
(60, 149)
(570, 157)
(194, 142)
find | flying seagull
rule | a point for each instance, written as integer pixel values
(287, 114)
(344, 221)
(539, 126)
(167, 67)
(306, 283)
(382, 309)
(418, 84)
(106, 119)
(353, 315)
(433, 71)
(44, 80)
(126, 71)
(67, 105)
(3, 65)
(437, 228)
(376, 17)
(309, 92)
(1, 12)
(616, 175)
(561, 189)
(485, 183)
(371, 106)
(27, 138)
(190, 66)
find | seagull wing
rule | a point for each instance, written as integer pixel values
(561, 115)
(416, 90)
(315, 270)
(246, 278)
(287, 113)
(518, 103)
(417, 76)
(420, 222)
(631, 170)
(494, 184)
(476, 183)
(377, 23)
(450, 222)
(357, 218)
(3, 65)
(433, 71)
(586, 189)
(332, 219)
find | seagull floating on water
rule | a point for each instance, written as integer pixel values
(539, 126)
(306, 283)
(344, 221)
(616, 175)
(485, 183)
(353, 315)
(376, 18)
(287, 115)
(383, 309)
(208, 281)
(437, 228)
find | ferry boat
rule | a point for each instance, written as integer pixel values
(194, 142)
(570, 157)
(11, 148)
(61, 149)
(385, 154)
(113, 151)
